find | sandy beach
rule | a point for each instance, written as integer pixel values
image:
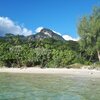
(82, 72)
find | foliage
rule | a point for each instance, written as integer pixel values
(89, 31)
(45, 53)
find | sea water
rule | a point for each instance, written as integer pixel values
(48, 87)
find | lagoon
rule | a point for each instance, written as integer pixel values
(17, 86)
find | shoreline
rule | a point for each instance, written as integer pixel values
(32, 70)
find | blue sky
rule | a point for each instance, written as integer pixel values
(59, 15)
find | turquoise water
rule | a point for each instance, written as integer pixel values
(48, 87)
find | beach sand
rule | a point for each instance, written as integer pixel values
(79, 72)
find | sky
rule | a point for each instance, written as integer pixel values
(25, 16)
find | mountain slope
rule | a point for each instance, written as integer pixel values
(47, 33)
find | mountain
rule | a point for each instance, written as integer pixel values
(45, 33)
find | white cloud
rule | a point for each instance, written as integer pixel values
(57, 32)
(9, 26)
(38, 29)
(67, 37)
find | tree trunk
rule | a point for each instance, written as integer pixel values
(98, 52)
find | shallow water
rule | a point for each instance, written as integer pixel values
(48, 87)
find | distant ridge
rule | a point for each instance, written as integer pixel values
(46, 33)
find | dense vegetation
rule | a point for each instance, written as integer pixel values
(89, 31)
(19, 51)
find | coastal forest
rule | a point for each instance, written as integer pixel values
(48, 49)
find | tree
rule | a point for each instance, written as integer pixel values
(61, 58)
(89, 31)
(43, 56)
